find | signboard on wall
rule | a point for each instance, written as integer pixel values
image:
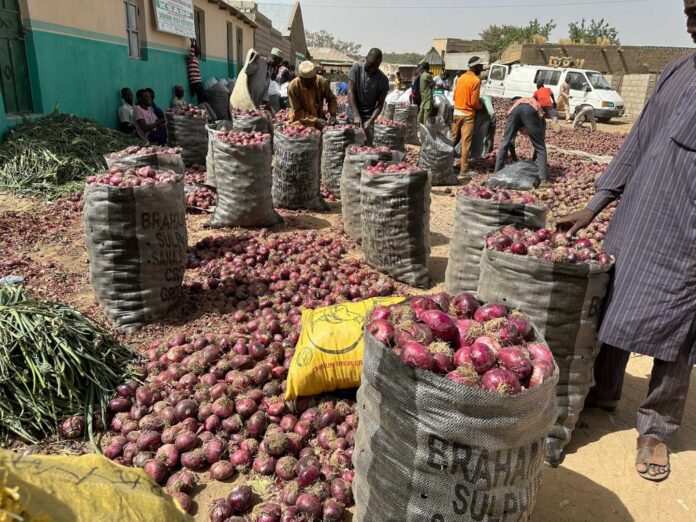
(175, 16)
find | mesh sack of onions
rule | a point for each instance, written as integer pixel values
(561, 285)
(296, 174)
(162, 158)
(437, 153)
(335, 140)
(356, 158)
(243, 176)
(408, 115)
(213, 129)
(455, 402)
(251, 120)
(390, 134)
(479, 211)
(186, 129)
(395, 221)
(136, 238)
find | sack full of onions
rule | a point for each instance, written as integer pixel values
(242, 162)
(296, 173)
(136, 156)
(455, 402)
(336, 139)
(251, 120)
(186, 129)
(356, 158)
(395, 221)
(136, 238)
(408, 115)
(480, 211)
(391, 134)
(437, 153)
(213, 129)
(561, 285)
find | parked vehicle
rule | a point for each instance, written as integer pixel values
(586, 87)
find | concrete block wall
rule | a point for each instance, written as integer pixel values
(635, 89)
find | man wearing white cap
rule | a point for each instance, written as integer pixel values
(307, 95)
(259, 72)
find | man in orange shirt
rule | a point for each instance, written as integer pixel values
(546, 99)
(466, 102)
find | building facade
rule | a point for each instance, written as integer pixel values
(76, 55)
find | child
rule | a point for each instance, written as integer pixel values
(178, 100)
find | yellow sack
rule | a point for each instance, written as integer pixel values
(89, 488)
(329, 351)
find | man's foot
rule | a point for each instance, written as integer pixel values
(652, 459)
(609, 406)
(467, 174)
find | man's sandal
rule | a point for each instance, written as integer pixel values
(652, 459)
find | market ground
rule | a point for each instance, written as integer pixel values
(596, 482)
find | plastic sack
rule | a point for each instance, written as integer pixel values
(159, 160)
(395, 221)
(429, 449)
(388, 112)
(188, 132)
(437, 153)
(391, 136)
(218, 98)
(473, 219)
(408, 115)
(240, 97)
(484, 132)
(210, 82)
(329, 352)
(350, 187)
(296, 175)
(520, 175)
(248, 123)
(213, 129)
(243, 179)
(565, 303)
(42, 488)
(334, 145)
(136, 240)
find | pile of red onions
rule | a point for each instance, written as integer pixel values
(500, 195)
(364, 149)
(141, 177)
(202, 198)
(137, 150)
(339, 127)
(543, 244)
(195, 174)
(297, 131)
(248, 113)
(382, 167)
(242, 139)
(327, 195)
(483, 346)
(282, 116)
(391, 123)
(188, 110)
(412, 156)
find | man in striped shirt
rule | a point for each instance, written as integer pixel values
(651, 307)
(194, 72)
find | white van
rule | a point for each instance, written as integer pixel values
(586, 87)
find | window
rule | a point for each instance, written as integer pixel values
(497, 73)
(199, 23)
(576, 81)
(598, 81)
(548, 76)
(132, 28)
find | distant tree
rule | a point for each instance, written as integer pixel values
(325, 39)
(597, 32)
(496, 38)
(403, 58)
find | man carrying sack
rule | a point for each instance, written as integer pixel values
(307, 95)
(254, 80)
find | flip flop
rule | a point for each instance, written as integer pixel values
(652, 452)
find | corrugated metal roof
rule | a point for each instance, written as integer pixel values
(433, 57)
(279, 14)
(329, 54)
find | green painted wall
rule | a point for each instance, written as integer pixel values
(84, 74)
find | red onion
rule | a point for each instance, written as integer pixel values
(220, 510)
(157, 471)
(222, 470)
(382, 330)
(214, 449)
(72, 427)
(442, 357)
(416, 355)
(333, 511)
(464, 374)
(308, 475)
(285, 468)
(490, 311)
(540, 352)
(193, 460)
(309, 505)
(501, 381)
(464, 305)
(482, 358)
(241, 459)
(522, 325)
(441, 324)
(290, 492)
(541, 370)
(269, 512)
(184, 409)
(516, 361)
(241, 499)
(264, 464)
(186, 441)
(245, 407)
(380, 313)
(341, 491)
(183, 481)
(149, 440)
(168, 455)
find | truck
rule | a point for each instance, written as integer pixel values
(587, 87)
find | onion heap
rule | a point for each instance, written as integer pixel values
(248, 113)
(195, 174)
(339, 127)
(327, 195)
(188, 110)
(391, 123)
(478, 345)
(140, 177)
(138, 150)
(202, 198)
(500, 195)
(282, 116)
(412, 156)
(365, 149)
(542, 244)
(298, 131)
(242, 139)
(382, 167)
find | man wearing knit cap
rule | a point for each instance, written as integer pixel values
(651, 307)
(307, 95)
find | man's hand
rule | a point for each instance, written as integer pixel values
(575, 221)
(369, 123)
(357, 120)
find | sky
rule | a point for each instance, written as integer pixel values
(404, 26)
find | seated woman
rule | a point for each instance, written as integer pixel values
(147, 124)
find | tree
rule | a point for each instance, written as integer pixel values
(597, 32)
(496, 38)
(325, 39)
(402, 58)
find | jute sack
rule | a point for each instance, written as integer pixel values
(296, 175)
(473, 219)
(136, 242)
(437, 153)
(243, 177)
(565, 303)
(350, 186)
(395, 222)
(188, 132)
(213, 130)
(392, 136)
(334, 144)
(429, 449)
